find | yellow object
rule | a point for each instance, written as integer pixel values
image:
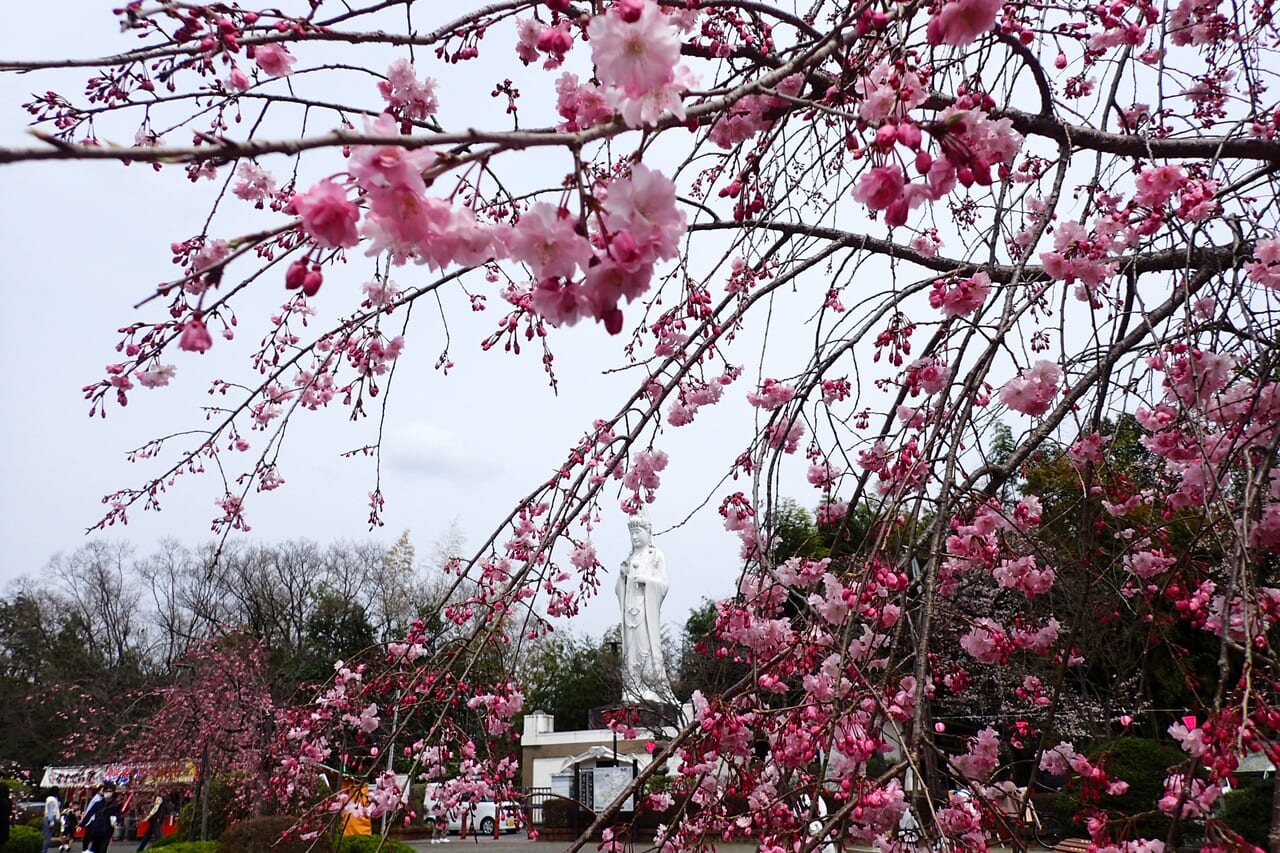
(357, 824)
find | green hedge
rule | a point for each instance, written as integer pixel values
(1142, 763)
(372, 844)
(190, 847)
(1247, 810)
(171, 840)
(23, 839)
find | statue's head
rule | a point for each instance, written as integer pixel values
(641, 529)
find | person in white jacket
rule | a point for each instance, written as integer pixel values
(51, 824)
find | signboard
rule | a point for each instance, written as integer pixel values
(607, 784)
(174, 773)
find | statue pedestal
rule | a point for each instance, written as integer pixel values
(650, 715)
(548, 756)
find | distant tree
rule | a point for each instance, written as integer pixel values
(568, 675)
(705, 662)
(338, 629)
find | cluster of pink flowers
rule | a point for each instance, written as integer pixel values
(642, 477)
(971, 143)
(982, 757)
(574, 275)
(1032, 391)
(635, 49)
(581, 105)
(406, 95)
(694, 395)
(772, 394)
(929, 375)
(753, 113)
(1024, 575)
(956, 298)
(1264, 269)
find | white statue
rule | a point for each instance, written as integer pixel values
(642, 584)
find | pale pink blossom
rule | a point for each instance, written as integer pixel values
(547, 239)
(581, 105)
(1033, 390)
(274, 59)
(637, 56)
(644, 205)
(960, 22)
(253, 183)
(772, 394)
(413, 98)
(156, 376)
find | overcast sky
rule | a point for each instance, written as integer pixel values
(84, 242)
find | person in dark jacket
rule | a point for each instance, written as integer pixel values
(6, 813)
(100, 818)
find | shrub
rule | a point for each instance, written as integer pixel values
(221, 801)
(1142, 763)
(190, 846)
(272, 834)
(18, 789)
(372, 844)
(23, 839)
(172, 840)
(1247, 810)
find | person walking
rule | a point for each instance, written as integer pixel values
(51, 824)
(70, 820)
(155, 821)
(100, 819)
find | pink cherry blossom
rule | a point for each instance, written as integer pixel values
(1157, 184)
(547, 239)
(328, 216)
(1033, 390)
(405, 94)
(880, 187)
(958, 298)
(644, 205)
(960, 22)
(581, 105)
(254, 183)
(156, 376)
(638, 56)
(274, 59)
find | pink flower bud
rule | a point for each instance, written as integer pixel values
(311, 281)
(195, 337)
(909, 135)
(295, 275)
(629, 10)
(1060, 62)
(886, 137)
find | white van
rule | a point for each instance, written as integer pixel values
(481, 817)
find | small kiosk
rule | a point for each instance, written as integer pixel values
(138, 785)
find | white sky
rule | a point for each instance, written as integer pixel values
(83, 242)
